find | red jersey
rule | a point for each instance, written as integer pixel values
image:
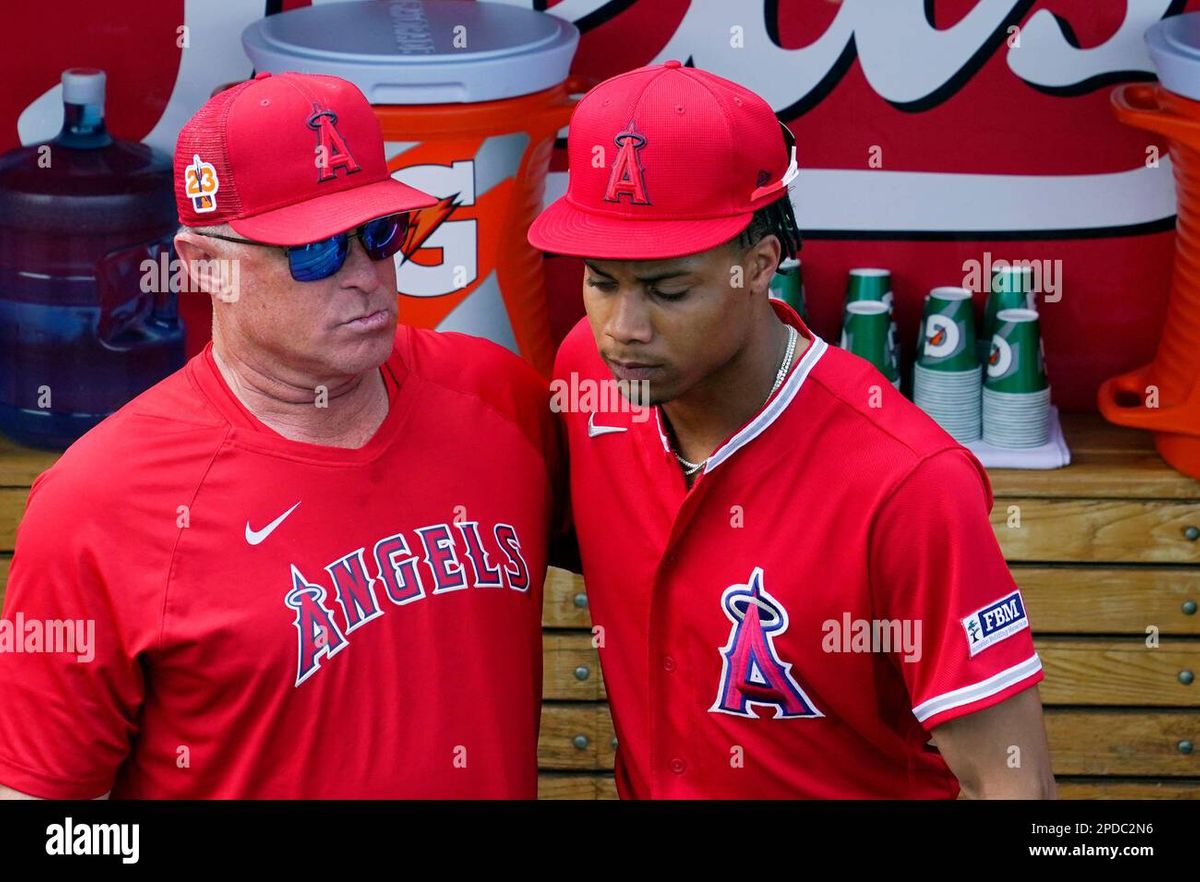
(826, 593)
(277, 619)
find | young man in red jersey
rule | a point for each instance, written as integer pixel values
(313, 557)
(795, 585)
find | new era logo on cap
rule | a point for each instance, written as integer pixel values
(688, 157)
(287, 159)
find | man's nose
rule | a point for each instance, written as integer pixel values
(628, 320)
(359, 270)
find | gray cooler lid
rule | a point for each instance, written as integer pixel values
(404, 52)
(1174, 45)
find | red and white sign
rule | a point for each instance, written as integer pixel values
(934, 135)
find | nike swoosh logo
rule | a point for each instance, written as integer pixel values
(595, 431)
(256, 536)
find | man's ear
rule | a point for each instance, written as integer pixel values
(207, 265)
(192, 247)
(763, 261)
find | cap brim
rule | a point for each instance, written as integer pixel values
(563, 229)
(320, 218)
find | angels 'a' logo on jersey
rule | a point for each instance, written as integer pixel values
(752, 672)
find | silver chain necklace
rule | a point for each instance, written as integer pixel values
(690, 468)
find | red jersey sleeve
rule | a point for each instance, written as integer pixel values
(568, 360)
(935, 562)
(565, 550)
(71, 683)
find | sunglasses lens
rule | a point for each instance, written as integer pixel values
(318, 260)
(384, 236)
(381, 239)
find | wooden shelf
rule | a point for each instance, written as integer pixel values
(1107, 462)
(20, 465)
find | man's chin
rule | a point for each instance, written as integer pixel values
(645, 393)
(366, 353)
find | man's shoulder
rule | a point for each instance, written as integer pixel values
(875, 432)
(158, 441)
(862, 398)
(474, 368)
(577, 353)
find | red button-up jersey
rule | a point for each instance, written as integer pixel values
(826, 593)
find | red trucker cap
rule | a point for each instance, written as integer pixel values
(287, 159)
(665, 160)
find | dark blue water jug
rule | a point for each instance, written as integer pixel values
(83, 326)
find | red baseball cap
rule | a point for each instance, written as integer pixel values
(287, 159)
(687, 157)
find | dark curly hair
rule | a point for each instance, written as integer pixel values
(776, 219)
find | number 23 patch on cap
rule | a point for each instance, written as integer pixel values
(994, 622)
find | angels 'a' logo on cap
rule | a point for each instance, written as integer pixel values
(332, 152)
(627, 174)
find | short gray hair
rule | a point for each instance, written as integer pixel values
(219, 229)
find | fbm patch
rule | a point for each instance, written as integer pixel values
(995, 621)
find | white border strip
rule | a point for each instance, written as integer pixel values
(771, 413)
(949, 202)
(661, 433)
(968, 694)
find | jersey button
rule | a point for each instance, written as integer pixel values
(668, 664)
(678, 766)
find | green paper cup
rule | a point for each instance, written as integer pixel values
(870, 283)
(867, 332)
(1013, 280)
(788, 285)
(1011, 288)
(1016, 363)
(948, 331)
(1013, 419)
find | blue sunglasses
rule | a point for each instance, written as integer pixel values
(381, 239)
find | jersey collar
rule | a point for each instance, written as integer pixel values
(774, 407)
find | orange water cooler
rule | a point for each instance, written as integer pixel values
(1164, 396)
(470, 97)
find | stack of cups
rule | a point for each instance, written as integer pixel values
(788, 285)
(1016, 393)
(946, 377)
(868, 330)
(1011, 288)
